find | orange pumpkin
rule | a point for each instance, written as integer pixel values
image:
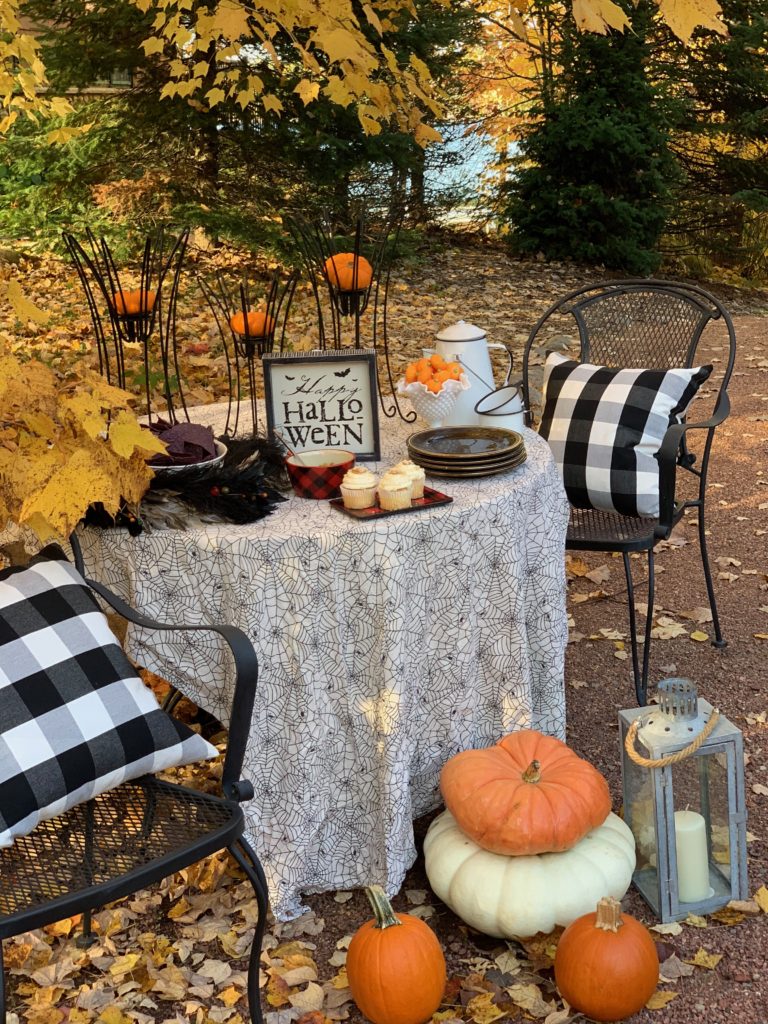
(528, 794)
(348, 272)
(395, 966)
(130, 303)
(606, 964)
(259, 324)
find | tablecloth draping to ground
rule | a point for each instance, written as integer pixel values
(384, 648)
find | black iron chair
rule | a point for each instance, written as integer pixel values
(659, 325)
(139, 833)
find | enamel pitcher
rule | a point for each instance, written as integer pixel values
(468, 344)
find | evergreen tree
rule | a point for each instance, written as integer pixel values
(721, 135)
(591, 180)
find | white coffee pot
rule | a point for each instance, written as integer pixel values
(467, 344)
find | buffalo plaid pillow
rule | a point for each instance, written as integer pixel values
(605, 427)
(75, 720)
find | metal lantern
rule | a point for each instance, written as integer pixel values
(683, 777)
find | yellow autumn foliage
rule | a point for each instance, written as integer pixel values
(66, 441)
(22, 74)
(224, 50)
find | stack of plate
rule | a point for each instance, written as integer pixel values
(463, 452)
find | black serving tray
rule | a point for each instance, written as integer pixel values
(431, 499)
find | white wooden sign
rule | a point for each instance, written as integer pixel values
(324, 399)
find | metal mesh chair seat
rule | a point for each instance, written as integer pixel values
(147, 827)
(592, 529)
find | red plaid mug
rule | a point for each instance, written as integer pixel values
(318, 474)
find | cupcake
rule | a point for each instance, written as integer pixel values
(415, 474)
(358, 488)
(394, 491)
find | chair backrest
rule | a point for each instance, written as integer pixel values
(638, 323)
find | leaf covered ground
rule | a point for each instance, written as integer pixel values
(177, 953)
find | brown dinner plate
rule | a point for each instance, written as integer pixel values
(465, 473)
(462, 443)
(437, 461)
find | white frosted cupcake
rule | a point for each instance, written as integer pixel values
(415, 474)
(358, 488)
(394, 491)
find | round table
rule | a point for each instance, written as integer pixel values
(384, 648)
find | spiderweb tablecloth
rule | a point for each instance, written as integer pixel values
(384, 648)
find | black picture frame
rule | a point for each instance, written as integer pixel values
(312, 400)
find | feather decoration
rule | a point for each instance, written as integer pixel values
(243, 488)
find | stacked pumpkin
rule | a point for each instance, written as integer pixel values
(528, 841)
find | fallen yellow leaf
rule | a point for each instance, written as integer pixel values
(230, 996)
(179, 909)
(761, 899)
(529, 998)
(694, 921)
(729, 916)
(670, 928)
(77, 1016)
(482, 1009)
(22, 306)
(308, 999)
(704, 959)
(743, 906)
(340, 980)
(660, 999)
(63, 928)
(114, 1015)
(699, 635)
(277, 991)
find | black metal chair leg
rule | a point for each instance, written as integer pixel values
(640, 676)
(86, 938)
(171, 699)
(642, 692)
(632, 621)
(249, 862)
(718, 641)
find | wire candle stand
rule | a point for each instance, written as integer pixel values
(353, 270)
(127, 316)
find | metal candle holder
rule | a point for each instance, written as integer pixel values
(320, 241)
(683, 776)
(135, 315)
(242, 349)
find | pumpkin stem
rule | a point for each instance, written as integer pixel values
(533, 772)
(382, 908)
(608, 914)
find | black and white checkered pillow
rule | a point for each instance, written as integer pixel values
(75, 720)
(605, 427)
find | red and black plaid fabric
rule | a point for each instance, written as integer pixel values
(318, 482)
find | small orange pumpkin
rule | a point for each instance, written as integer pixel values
(259, 324)
(130, 303)
(395, 966)
(348, 272)
(528, 794)
(606, 964)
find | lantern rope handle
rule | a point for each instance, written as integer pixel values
(678, 756)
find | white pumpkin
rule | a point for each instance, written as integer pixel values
(509, 896)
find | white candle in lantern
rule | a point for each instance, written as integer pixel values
(692, 858)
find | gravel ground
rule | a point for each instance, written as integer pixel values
(734, 679)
